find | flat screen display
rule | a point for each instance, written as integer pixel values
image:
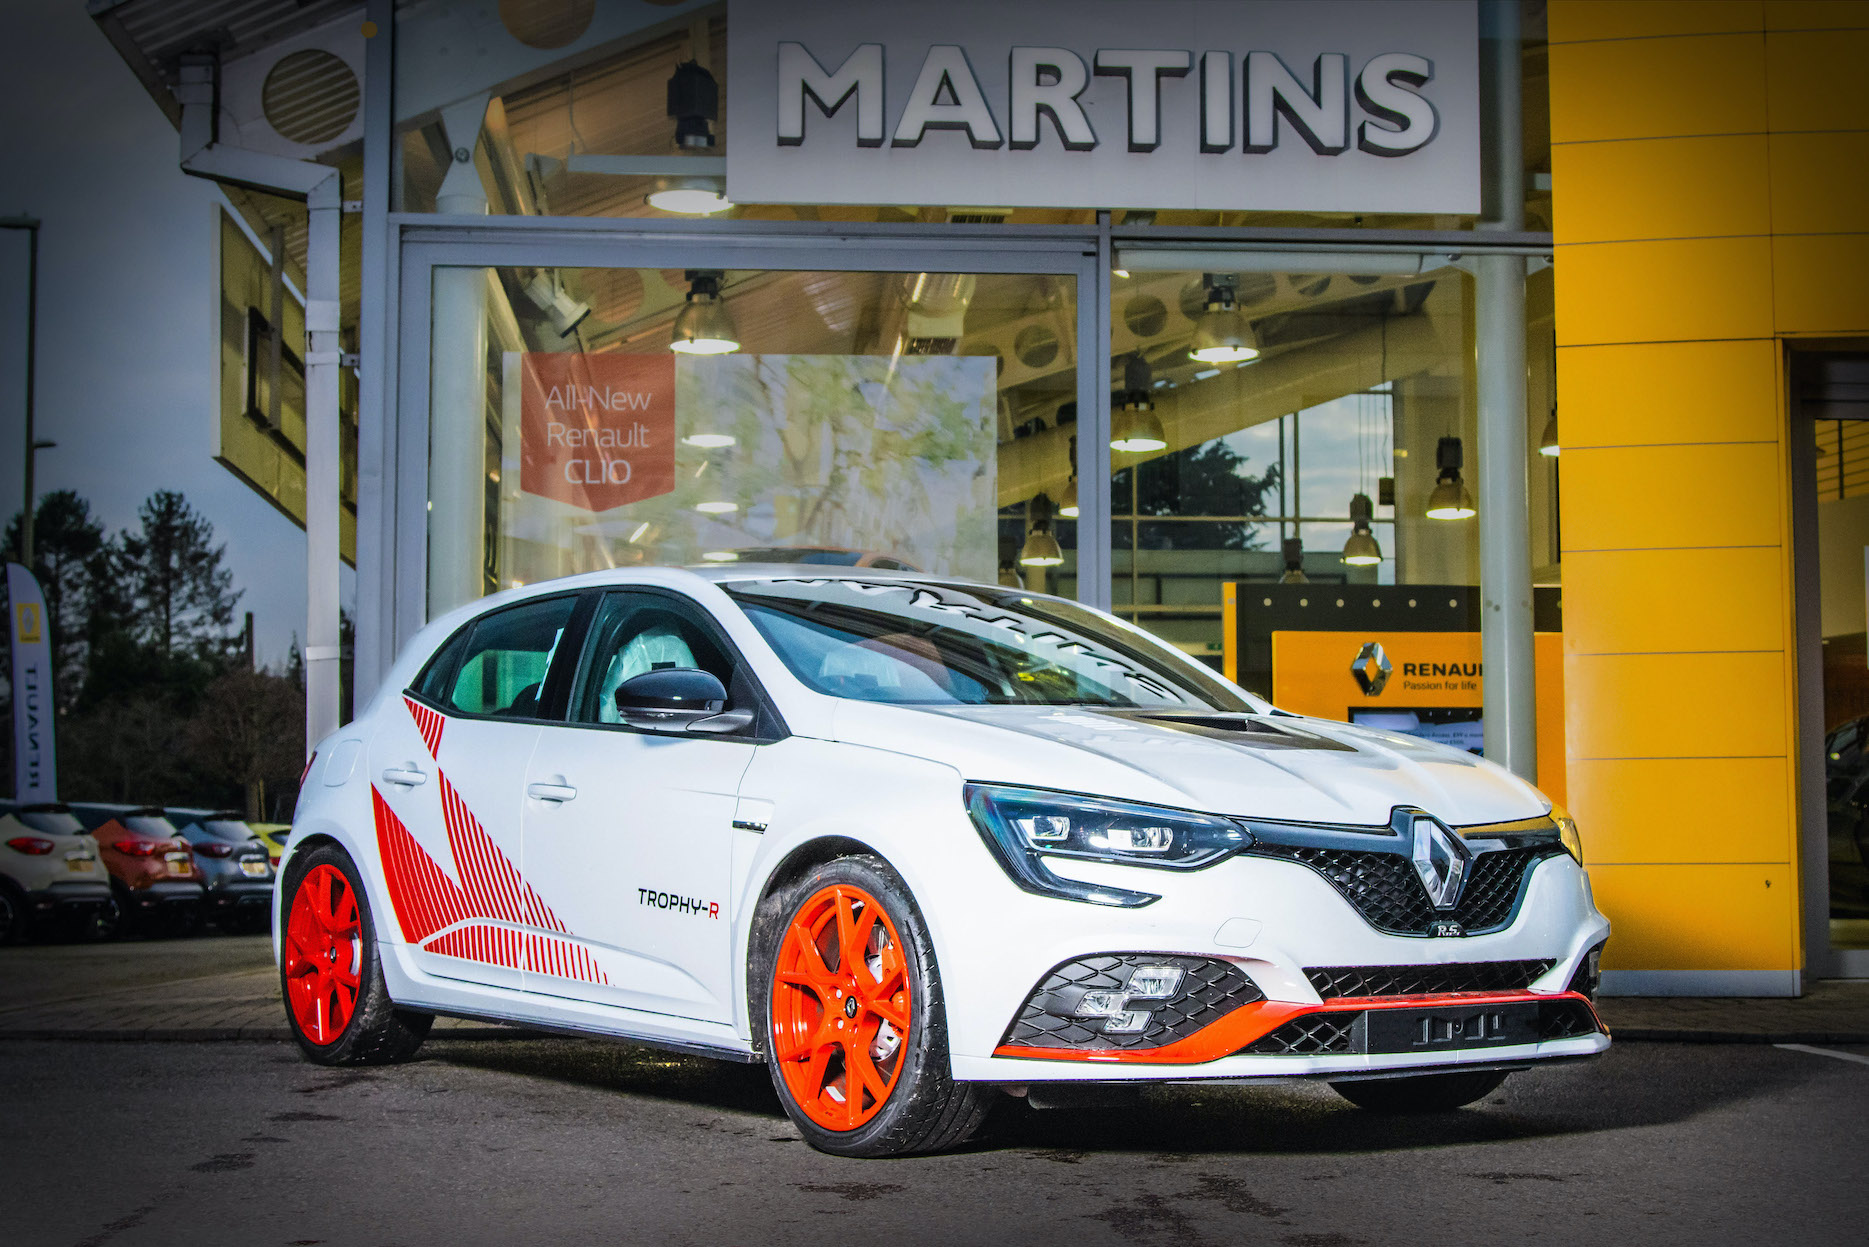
(1459, 726)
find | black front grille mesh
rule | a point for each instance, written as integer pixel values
(1209, 990)
(1315, 1034)
(1385, 890)
(1466, 976)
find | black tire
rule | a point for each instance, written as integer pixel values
(1428, 1093)
(926, 1110)
(15, 918)
(378, 1032)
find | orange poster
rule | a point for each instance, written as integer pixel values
(597, 431)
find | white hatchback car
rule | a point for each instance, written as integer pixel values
(912, 842)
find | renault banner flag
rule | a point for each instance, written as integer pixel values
(35, 770)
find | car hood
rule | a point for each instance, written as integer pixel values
(1263, 766)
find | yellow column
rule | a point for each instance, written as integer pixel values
(1709, 190)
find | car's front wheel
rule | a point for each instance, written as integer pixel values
(856, 1037)
(331, 970)
(1426, 1093)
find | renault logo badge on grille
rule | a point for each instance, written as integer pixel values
(1371, 668)
(1440, 861)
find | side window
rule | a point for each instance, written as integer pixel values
(636, 632)
(505, 659)
(438, 676)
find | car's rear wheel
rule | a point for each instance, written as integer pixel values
(1428, 1093)
(856, 1033)
(13, 913)
(331, 970)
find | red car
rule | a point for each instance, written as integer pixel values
(159, 886)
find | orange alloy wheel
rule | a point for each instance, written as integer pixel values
(840, 1007)
(323, 954)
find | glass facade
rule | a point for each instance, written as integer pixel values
(585, 418)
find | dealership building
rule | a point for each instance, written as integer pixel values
(1251, 321)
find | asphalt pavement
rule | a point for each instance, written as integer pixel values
(573, 1141)
(495, 1136)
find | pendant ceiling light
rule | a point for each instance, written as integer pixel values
(1450, 500)
(1067, 506)
(1361, 550)
(690, 196)
(702, 327)
(1041, 548)
(1294, 563)
(1135, 427)
(1548, 444)
(1221, 335)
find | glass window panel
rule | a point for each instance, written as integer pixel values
(895, 420)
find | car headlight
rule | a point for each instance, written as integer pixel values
(1567, 832)
(1023, 826)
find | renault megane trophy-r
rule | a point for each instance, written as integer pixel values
(913, 841)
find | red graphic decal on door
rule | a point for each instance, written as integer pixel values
(427, 901)
(429, 723)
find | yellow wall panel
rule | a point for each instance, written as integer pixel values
(1815, 80)
(1662, 188)
(1816, 14)
(1675, 705)
(1658, 88)
(1664, 601)
(1821, 283)
(1688, 290)
(1698, 917)
(1678, 810)
(1572, 20)
(1820, 183)
(1663, 392)
(1656, 497)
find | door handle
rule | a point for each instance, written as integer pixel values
(551, 792)
(407, 775)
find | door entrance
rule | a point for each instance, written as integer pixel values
(1830, 465)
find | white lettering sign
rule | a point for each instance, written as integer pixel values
(1355, 106)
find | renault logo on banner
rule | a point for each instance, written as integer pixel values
(1440, 860)
(1371, 668)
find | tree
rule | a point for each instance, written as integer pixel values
(71, 560)
(249, 734)
(1209, 479)
(181, 598)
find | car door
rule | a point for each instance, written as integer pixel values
(447, 778)
(628, 833)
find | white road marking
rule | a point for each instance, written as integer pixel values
(1840, 1056)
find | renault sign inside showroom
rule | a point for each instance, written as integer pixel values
(1280, 106)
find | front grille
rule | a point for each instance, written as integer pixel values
(1384, 888)
(1466, 976)
(1315, 1034)
(1386, 1032)
(1209, 990)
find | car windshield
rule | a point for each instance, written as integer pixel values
(150, 825)
(52, 822)
(226, 828)
(930, 643)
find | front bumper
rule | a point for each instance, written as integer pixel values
(1273, 920)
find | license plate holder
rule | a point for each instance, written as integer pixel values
(254, 867)
(1452, 1028)
(178, 863)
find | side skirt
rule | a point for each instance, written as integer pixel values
(710, 1051)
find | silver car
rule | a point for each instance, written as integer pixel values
(234, 866)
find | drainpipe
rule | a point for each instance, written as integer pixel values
(320, 186)
(1509, 691)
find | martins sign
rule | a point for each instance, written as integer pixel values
(1257, 104)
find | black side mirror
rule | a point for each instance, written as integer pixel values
(670, 699)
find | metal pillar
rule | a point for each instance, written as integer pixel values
(457, 428)
(323, 357)
(1509, 689)
(33, 445)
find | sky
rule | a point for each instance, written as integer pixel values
(127, 353)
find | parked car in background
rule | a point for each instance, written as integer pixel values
(50, 877)
(234, 865)
(274, 837)
(153, 873)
